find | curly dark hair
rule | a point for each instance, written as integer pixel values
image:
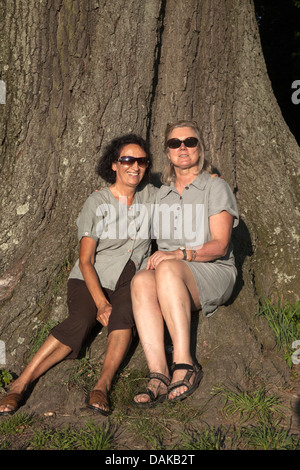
(113, 151)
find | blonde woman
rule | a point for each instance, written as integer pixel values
(193, 268)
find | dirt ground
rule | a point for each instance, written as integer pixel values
(57, 406)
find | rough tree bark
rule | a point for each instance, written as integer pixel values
(81, 72)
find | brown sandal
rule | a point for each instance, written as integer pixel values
(98, 397)
(12, 400)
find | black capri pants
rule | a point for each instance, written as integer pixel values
(76, 328)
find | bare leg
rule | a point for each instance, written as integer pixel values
(117, 347)
(150, 325)
(49, 354)
(177, 291)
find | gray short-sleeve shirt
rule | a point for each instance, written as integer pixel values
(182, 220)
(122, 232)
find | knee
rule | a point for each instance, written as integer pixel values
(143, 284)
(135, 281)
(139, 281)
(166, 268)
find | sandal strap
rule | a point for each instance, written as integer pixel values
(191, 369)
(12, 399)
(158, 376)
(182, 366)
(148, 392)
(98, 397)
(163, 378)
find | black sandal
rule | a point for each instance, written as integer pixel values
(191, 369)
(153, 400)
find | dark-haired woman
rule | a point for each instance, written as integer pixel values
(114, 234)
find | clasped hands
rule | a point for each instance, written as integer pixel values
(103, 313)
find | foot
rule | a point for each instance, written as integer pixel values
(12, 401)
(185, 380)
(155, 392)
(98, 401)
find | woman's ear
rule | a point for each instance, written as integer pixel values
(114, 166)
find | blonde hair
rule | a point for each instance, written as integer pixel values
(168, 174)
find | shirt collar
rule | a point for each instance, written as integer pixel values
(199, 182)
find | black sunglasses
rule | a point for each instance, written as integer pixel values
(129, 161)
(188, 142)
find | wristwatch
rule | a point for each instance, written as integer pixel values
(187, 254)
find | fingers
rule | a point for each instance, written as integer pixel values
(158, 257)
(103, 314)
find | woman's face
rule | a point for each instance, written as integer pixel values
(183, 157)
(130, 174)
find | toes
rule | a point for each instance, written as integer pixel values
(141, 398)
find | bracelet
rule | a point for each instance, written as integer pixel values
(188, 255)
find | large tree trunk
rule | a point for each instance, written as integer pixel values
(81, 72)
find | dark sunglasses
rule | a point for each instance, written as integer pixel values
(188, 142)
(129, 161)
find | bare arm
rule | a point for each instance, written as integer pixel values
(220, 226)
(86, 264)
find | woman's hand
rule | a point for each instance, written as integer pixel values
(103, 313)
(86, 264)
(159, 256)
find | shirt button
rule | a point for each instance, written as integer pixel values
(129, 251)
(187, 187)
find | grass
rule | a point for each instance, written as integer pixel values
(285, 324)
(267, 436)
(91, 437)
(40, 437)
(208, 439)
(251, 405)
